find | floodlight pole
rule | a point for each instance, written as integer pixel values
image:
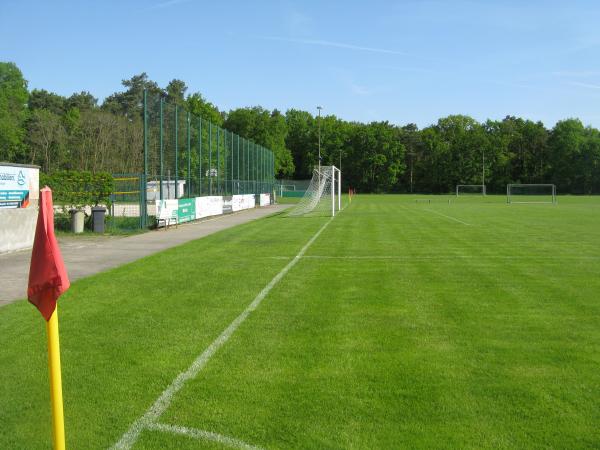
(319, 108)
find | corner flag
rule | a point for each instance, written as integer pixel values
(47, 281)
(47, 274)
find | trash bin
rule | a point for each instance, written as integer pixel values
(77, 216)
(98, 213)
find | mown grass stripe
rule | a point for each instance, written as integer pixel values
(164, 400)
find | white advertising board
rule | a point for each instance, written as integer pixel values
(240, 202)
(265, 199)
(166, 210)
(18, 186)
(209, 206)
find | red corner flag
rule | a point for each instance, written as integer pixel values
(47, 274)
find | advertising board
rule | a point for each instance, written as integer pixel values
(18, 186)
(240, 202)
(265, 199)
(209, 206)
(166, 211)
(186, 210)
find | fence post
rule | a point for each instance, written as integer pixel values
(259, 169)
(210, 158)
(225, 162)
(189, 157)
(248, 177)
(176, 152)
(270, 172)
(218, 160)
(255, 164)
(162, 101)
(143, 217)
(141, 199)
(199, 156)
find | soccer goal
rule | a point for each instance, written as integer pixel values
(470, 189)
(531, 193)
(286, 188)
(324, 194)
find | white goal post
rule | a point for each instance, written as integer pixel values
(286, 187)
(464, 189)
(324, 194)
(531, 193)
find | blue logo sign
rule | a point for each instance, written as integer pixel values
(21, 178)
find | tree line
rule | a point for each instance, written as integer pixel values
(78, 133)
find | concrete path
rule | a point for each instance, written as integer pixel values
(87, 255)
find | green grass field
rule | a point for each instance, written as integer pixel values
(406, 324)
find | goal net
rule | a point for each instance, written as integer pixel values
(470, 189)
(531, 193)
(323, 195)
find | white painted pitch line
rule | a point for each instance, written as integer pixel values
(203, 435)
(447, 217)
(151, 416)
(447, 257)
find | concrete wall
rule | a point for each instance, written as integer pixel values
(17, 228)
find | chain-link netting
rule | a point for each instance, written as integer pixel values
(187, 156)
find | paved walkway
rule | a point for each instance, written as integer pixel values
(87, 255)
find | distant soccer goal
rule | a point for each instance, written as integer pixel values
(470, 189)
(531, 193)
(324, 194)
(286, 187)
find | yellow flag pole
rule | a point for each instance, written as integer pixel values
(58, 422)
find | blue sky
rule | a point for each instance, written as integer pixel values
(401, 61)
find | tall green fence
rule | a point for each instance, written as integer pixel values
(187, 156)
(126, 201)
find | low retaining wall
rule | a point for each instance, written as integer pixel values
(17, 228)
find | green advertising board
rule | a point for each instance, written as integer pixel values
(186, 210)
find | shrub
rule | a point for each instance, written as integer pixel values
(79, 188)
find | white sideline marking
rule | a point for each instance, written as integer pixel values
(203, 435)
(164, 400)
(446, 257)
(447, 217)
